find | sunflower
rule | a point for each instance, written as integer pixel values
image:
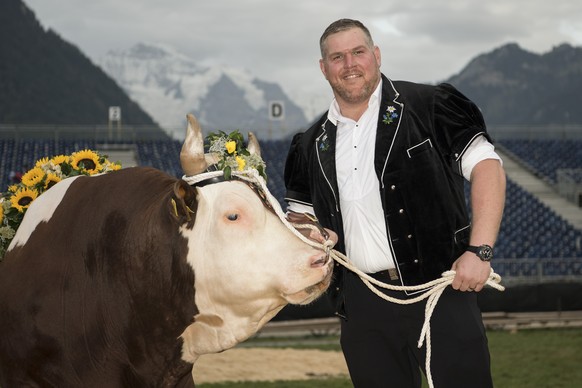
(86, 160)
(22, 198)
(59, 159)
(33, 176)
(51, 180)
(41, 162)
(1, 212)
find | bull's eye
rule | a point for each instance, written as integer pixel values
(232, 217)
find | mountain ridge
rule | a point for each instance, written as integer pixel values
(46, 80)
(168, 84)
(513, 86)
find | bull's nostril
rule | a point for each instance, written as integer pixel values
(320, 261)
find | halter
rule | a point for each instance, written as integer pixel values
(257, 183)
(252, 180)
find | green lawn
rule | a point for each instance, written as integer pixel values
(526, 359)
(537, 358)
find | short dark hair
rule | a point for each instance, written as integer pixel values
(343, 25)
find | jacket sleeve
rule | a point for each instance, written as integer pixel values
(296, 174)
(458, 122)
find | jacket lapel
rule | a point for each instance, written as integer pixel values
(389, 119)
(325, 149)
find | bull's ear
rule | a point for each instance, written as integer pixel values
(183, 204)
(253, 146)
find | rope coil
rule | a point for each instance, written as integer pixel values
(432, 291)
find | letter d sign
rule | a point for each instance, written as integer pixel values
(276, 110)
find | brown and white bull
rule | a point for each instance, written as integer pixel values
(124, 279)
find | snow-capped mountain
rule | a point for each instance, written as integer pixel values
(168, 85)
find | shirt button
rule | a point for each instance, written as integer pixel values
(415, 261)
(401, 211)
(409, 236)
(393, 187)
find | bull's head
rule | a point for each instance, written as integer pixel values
(248, 261)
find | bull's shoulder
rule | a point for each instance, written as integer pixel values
(41, 210)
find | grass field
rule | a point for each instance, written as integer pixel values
(525, 359)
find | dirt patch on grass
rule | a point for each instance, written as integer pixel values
(264, 364)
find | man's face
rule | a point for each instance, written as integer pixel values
(351, 66)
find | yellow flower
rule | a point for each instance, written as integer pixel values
(23, 198)
(1, 213)
(41, 162)
(241, 163)
(87, 160)
(33, 176)
(13, 188)
(51, 180)
(110, 166)
(230, 146)
(60, 159)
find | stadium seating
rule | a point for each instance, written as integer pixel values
(545, 156)
(530, 230)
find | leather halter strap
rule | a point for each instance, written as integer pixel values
(256, 188)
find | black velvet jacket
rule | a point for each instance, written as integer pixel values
(418, 164)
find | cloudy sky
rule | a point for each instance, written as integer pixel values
(277, 41)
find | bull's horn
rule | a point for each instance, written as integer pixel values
(253, 146)
(192, 153)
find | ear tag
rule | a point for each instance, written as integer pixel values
(175, 207)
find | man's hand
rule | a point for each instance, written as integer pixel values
(471, 272)
(318, 234)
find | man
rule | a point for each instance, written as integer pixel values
(384, 168)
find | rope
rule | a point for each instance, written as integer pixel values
(432, 291)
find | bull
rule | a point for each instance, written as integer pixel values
(125, 279)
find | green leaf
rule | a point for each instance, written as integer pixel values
(227, 173)
(261, 171)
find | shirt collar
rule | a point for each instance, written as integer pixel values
(336, 117)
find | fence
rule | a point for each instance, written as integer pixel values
(564, 132)
(537, 271)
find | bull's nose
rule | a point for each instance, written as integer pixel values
(319, 260)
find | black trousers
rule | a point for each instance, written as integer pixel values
(379, 340)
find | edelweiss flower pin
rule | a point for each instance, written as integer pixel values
(390, 115)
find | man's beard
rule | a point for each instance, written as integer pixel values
(355, 96)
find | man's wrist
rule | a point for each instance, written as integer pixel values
(483, 252)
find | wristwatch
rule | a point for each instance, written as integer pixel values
(484, 252)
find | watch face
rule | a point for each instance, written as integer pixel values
(485, 252)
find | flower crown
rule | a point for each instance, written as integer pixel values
(232, 154)
(45, 174)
